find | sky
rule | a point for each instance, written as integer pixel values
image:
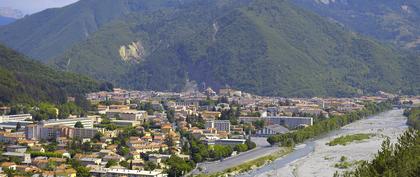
(33, 6)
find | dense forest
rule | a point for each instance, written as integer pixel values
(25, 81)
(327, 125)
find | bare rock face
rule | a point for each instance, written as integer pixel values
(132, 52)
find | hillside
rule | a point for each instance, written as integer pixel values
(387, 20)
(26, 81)
(49, 33)
(265, 47)
(6, 20)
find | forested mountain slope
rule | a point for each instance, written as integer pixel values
(267, 47)
(26, 81)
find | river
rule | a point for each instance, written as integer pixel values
(315, 158)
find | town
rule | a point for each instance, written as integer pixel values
(154, 134)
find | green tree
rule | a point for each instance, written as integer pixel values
(149, 166)
(241, 147)
(178, 166)
(18, 126)
(111, 163)
(170, 114)
(78, 124)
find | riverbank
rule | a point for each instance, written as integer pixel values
(322, 161)
(252, 164)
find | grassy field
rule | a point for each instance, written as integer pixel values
(250, 165)
(344, 140)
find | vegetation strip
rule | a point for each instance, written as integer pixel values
(344, 140)
(252, 164)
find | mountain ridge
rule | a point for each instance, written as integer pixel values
(260, 46)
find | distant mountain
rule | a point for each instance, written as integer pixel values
(395, 21)
(51, 32)
(26, 81)
(6, 20)
(267, 47)
(11, 13)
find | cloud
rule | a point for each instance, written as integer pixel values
(33, 6)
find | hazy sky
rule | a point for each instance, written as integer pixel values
(32, 6)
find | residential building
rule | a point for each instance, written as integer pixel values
(127, 114)
(290, 122)
(230, 142)
(24, 157)
(11, 138)
(48, 132)
(14, 118)
(16, 148)
(90, 161)
(219, 125)
(132, 123)
(272, 130)
(86, 122)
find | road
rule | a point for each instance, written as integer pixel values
(263, 148)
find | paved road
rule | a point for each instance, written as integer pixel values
(262, 149)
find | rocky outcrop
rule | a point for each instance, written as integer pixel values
(132, 52)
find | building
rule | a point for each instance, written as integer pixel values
(16, 148)
(86, 122)
(13, 124)
(49, 132)
(11, 138)
(272, 130)
(15, 118)
(272, 111)
(90, 161)
(108, 172)
(229, 142)
(219, 125)
(123, 123)
(78, 133)
(127, 114)
(290, 122)
(249, 119)
(4, 110)
(10, 121)
(210, 115)
(23, 157)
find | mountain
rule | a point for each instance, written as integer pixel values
(25, 81)
(6, 20)
(267, 47)
(387, 20)
(11, 13)
(49, 33)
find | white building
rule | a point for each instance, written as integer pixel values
(229, 142)
(290, 122)
(272, 130)
(49, 132)
(86, 122)
(15, 118)
(127, 114)
(219, 125)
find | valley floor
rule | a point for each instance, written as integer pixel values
(322, 161)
